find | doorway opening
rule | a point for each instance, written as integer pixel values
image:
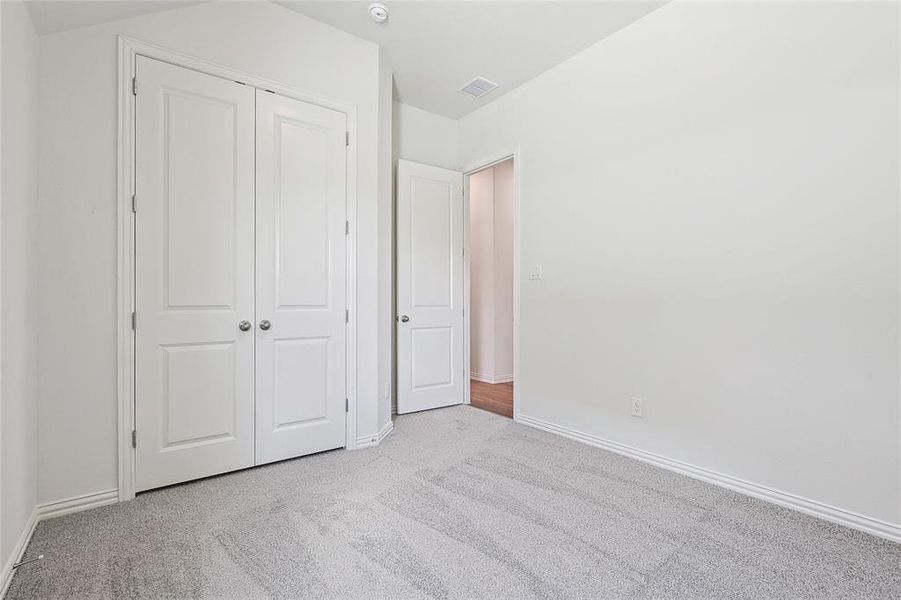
(457, 286)
(490, 255)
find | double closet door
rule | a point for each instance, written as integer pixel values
(239, 276)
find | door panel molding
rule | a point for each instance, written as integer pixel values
(128, 51)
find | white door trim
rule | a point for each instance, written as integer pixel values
(129, 49)
(489, 161)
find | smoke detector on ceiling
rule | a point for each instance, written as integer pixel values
(378, 12)
(478, 87)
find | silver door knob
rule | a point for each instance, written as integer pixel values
(244, 325)
(404, 318)
(265, 325)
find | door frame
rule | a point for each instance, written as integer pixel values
(128, 50)
(489, 160)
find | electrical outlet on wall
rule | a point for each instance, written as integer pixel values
(636, 407)
(535, 272)
(387, 389)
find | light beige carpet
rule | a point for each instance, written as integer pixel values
(456, 503)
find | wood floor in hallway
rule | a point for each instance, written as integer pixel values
(493, 397)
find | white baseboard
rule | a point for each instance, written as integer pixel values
(491, 379)
(48, 510)
(375, 440)
(16, 555)
(834, 514)
(388, 428)
(59, 508)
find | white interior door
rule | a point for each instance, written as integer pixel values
(194, 245)
(430, 366)
(301, 212)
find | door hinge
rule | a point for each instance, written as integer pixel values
(133, 320)
(346, 227)
(347, 138)
(134, 203)
(134, 438)
(346, 405)
(347, 316)
(134, 86)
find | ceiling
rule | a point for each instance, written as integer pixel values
(434, 46)
(50, 16)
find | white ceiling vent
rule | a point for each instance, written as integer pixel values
(478, 87)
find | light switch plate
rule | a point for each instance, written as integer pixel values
(535, 272)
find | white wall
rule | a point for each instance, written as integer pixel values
(425, 137)
(491, 273)
(386, 241)
(713, 195)
(18, 278)
(481, 274)
(77, 325)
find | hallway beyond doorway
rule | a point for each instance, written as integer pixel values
(496, 397)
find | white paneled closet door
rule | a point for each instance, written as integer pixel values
(300, 278)
(194, 285)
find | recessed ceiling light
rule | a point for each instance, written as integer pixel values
(478, 87)
(378, 12)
